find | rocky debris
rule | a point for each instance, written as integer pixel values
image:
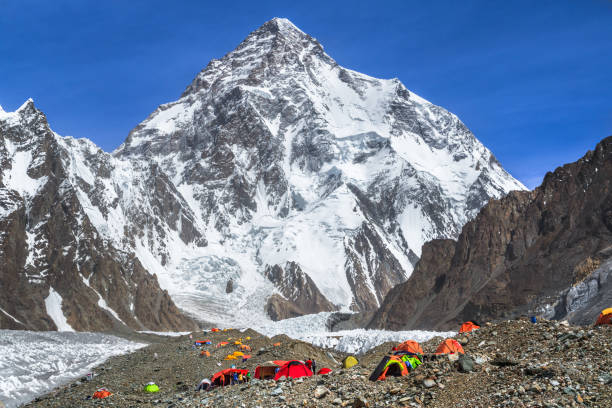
(529, 251)
(542, 372)
(320, 392)
(465, 363)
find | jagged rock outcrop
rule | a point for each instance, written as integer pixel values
(521, 254)
(298, 293)
(55, 268)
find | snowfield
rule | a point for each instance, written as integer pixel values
(33, 363)
(312, 329)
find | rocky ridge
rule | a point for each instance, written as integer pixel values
(545, 252)
(57, 272)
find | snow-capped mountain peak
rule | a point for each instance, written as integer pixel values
(281, 183)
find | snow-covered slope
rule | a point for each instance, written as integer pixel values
(285, 156)
(33, 363)
(275, 158)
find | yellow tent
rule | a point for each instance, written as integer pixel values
(237, 343)
(238, 353)
(231, 357)
(248, 338)
(349, 362)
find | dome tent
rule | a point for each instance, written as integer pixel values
(151, 388)
(293, 369)
(469, 326)
(409, 347)
(349, 361)
(389, 366)
(449, 346)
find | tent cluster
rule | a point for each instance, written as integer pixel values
(281, 369)
(237, 355)
(408, 355)
(404, 358)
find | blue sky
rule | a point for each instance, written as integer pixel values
(531, 79)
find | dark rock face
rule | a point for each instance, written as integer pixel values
(300, 295)
(370, 264)
(47, 243)
(521, 254)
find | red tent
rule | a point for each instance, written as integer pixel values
(324, 371)
(293, 369)
(223, 377)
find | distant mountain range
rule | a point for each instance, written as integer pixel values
(279, 184)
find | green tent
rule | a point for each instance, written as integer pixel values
(349, 362)
(151, 387)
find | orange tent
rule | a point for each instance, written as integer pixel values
(276, 344)
(214, 329)
(222, 344)
(468, 327)
(449, 346)
(605, 317)
(102, 393)
(245, 347)
(205, 353)
(410, 346)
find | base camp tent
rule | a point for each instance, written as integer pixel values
(389, 366)
(324, 371)
(293, 369)
(268, 369)
(449, 346)
(409, 347)
(151, 388)
(224, 377)
(349, 362)
(605, 317)
(468, 327)
(102, 393)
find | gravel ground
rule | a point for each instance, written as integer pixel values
(508, 364)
